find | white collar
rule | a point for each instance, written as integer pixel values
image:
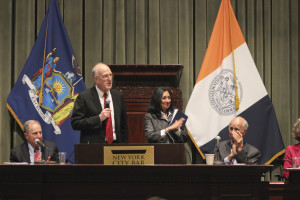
(101, 93)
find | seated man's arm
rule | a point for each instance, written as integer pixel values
(249, 155)
(13, 156)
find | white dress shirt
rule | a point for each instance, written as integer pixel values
(111, 106)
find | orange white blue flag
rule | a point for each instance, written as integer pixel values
(227, 86)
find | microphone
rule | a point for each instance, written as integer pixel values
(38, 141)
(218, 138)
(107, 103)
(217, 151)
(171, 137)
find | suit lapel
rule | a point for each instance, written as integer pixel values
(95, 99)
(116, 107)
(25, 153)
(44, 154)
(228, 146)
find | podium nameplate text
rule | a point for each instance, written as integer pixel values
(128, 155)
(163, 153)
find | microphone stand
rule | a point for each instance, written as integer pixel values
(43, 148)
(218, 159)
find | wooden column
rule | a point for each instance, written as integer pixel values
(137, 83)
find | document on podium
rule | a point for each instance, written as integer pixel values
(177, 114)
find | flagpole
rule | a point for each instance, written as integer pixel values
(42, 82)
(237, 106)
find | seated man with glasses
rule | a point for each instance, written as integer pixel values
(100, 112)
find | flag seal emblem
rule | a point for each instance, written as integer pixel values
(221, 92)
(58, 93)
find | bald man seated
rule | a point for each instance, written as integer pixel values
(236, 150)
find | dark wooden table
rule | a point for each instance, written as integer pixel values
(288, 189)
(82, 181)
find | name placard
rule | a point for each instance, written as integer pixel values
(128, 155)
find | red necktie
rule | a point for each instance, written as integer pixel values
(109, 129)
(37, 155)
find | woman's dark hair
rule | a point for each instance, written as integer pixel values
(155, 104)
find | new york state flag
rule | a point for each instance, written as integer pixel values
(49, 84)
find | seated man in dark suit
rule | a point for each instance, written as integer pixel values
(236, 151)
(30, 151)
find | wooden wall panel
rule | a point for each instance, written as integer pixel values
(185, 42)
(259, 39)
(120, 32)
(109, 32)
(140, 32)
(6, 36)
(130, 31)
(93, 50)
(154, 32)
(294, 65)
(40, 13)
(169, 31)
(281, 96)
(240, 9)
(250, 26)
(211, 16)
(24, 37)
(201, 39)
(267, 42)
(73, 15)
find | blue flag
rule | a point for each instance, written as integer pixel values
(49, 84)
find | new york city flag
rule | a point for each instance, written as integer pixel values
(49, 84)
(229, 85)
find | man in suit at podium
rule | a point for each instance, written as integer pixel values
(236, 150)
(35, 149)
(100, 112)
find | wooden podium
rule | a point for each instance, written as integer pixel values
(288, 189)
(137, 83)
(163, 153)
(294, 176)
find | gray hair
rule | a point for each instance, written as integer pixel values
(27, 123)
(94, 70)
(245, 125)
(296, 130)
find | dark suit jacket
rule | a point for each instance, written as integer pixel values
(21, 152)
(86, 112)
(153, 127)
(249, 154)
